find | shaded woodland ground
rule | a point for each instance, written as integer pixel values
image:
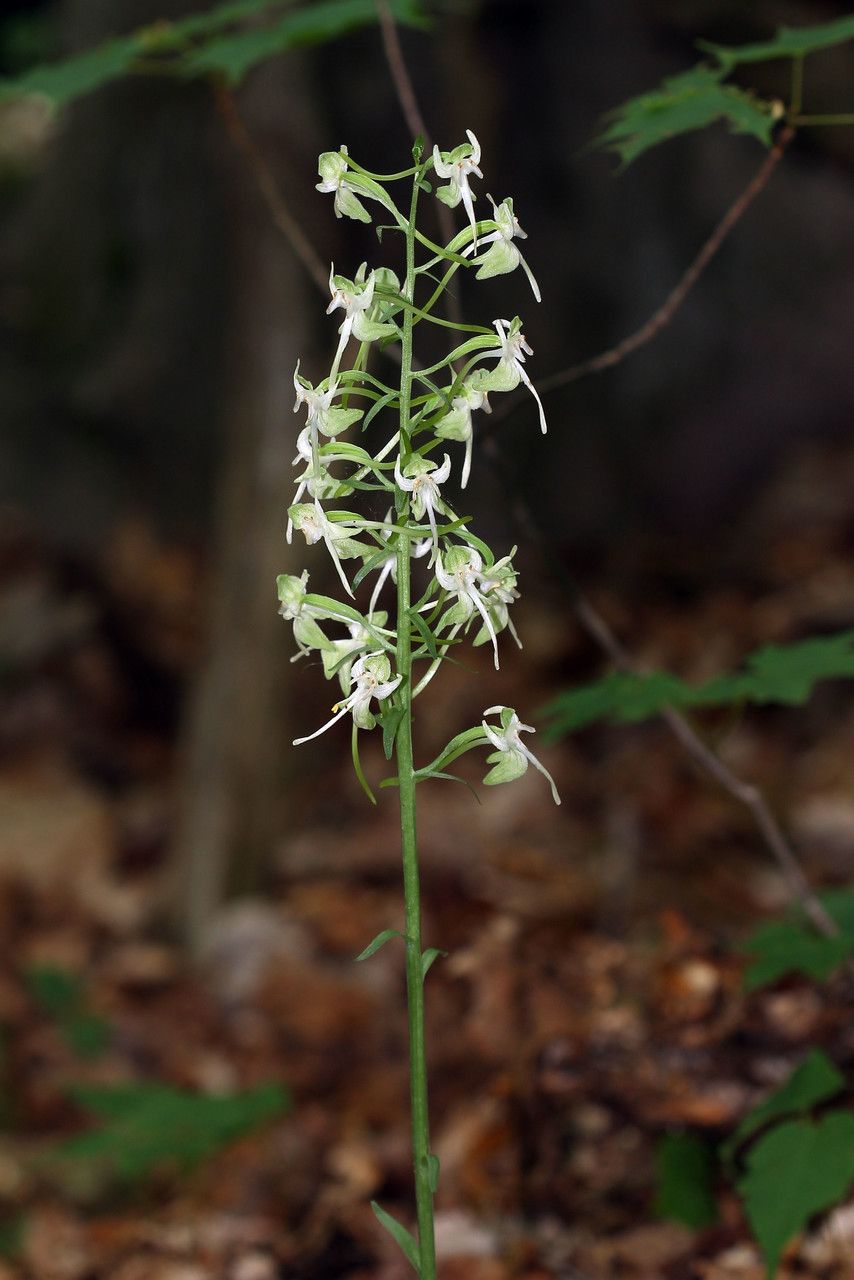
(591, 1001)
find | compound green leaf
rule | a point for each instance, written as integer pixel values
(201, 44)
(789, 42)
(785, 947)
(64, 81)
(146, 1126)
(783, 674)
(233, 55)
(794, 1172)
(682, 104)
(814, 1081)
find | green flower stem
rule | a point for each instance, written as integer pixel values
(406, 775)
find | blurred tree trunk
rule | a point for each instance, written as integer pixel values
(230, 800)
(192, 357)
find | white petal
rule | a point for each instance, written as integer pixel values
(529, 755)
(342, 711)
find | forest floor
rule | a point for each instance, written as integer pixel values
(590, 1004)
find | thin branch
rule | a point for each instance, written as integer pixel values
(674, 300)
(273, 198)
(400, 75)
(415, 122)
(745, 793)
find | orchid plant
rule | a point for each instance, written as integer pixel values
(460, 587)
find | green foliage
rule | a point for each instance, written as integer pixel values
(379, 941)
(793, 945)
(798, 1169)
(403, 1238)
(12, 1230)
(698, 98)
(784, 674)
(62, 996)
(145, 1127)
(789, 42)
(816, 1080)
(682, 104)
(685, 1171)
(205, 44)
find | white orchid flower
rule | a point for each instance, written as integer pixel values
(316, 479)
(332, 168)
(370, 677)
(294, 608)
(389, 565)
(422, 480)
(511, 757)
(510, 370)
(498, 591)
(503, 255)
(323, 417)
(315, 525)
(456, 166)
(457, 423)
(355, 297)
(458, 571)
(339, 655)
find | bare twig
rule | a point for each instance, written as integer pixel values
(415, 122)
(266, 183)
(400, 75)
(597, 628)
(661, 318)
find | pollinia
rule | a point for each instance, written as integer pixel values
(445, 582)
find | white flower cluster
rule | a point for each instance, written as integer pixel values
(467, 587)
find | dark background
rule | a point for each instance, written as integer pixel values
(152, 315)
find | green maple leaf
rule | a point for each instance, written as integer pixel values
(682, 104)
(789, 42)
(797, 1170)
(815, 1080)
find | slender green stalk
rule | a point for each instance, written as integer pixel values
(846, 117)
(409, 844)
(797, 93)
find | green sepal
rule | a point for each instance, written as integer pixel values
(338, 419)
(373, 330)
(309, 635)
(350, 205)
(403, 1238)
(504, 377)
(506, 767)
(500, 258)
(379, 941)
(449, 195)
